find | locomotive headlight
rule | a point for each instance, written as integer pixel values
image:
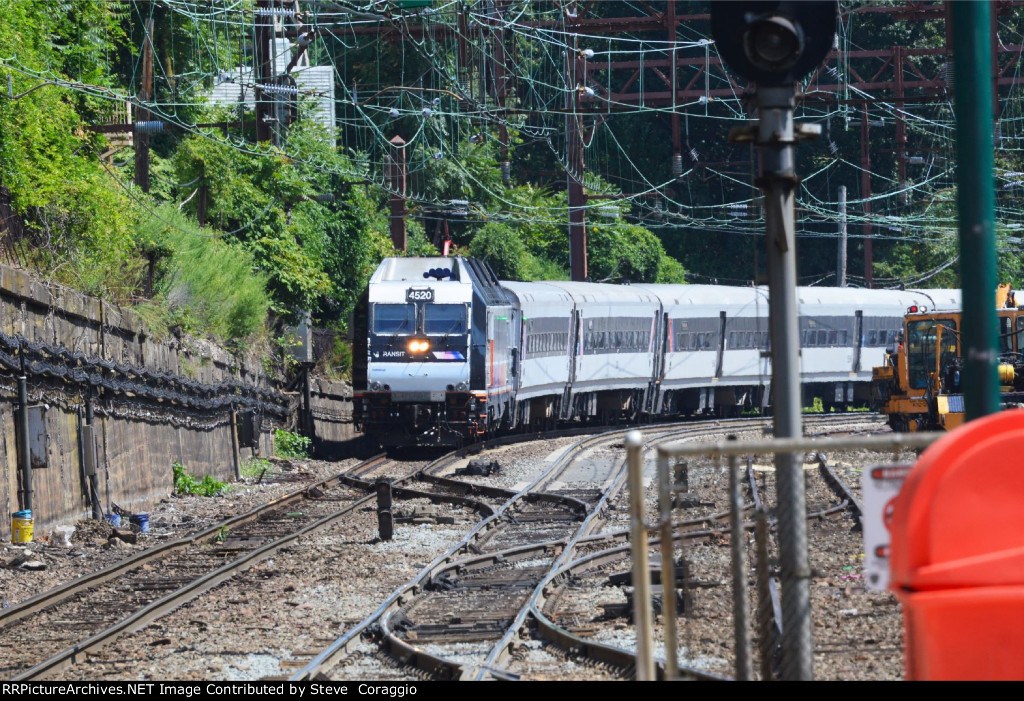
(418, 345)
(375, 386)
(461, 387)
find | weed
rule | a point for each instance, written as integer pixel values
(291, 445)
(255, 467)
(187, 483)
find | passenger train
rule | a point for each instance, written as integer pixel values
(447, 354)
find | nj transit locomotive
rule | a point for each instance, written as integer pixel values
(446, 354)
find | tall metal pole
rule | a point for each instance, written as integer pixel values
(776, 137)
(143, 115)
(972, 71)
(841, 265)
(25, 457)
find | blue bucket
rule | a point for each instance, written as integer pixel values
(142, 521)
(114, 520)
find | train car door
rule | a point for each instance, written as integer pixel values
(858, 338)
(721, 345)
(575, 341)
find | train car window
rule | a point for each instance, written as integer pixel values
(394, 318)
(872, 337)
(750, 340)
(1005, 334)
(444, 318)
(808, 336)
(833, 337)
(844, 337)
(1020, 334)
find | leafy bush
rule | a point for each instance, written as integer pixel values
(291, 445)
(187, 483)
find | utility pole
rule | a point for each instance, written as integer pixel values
(263, 72)
(865, 195)
(841, 267)
(577, 197)
(396, 178)
(142, 115)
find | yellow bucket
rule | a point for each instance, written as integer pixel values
(21, 527)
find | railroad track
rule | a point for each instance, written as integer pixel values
(539, 523)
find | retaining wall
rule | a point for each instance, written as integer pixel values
(137, 438)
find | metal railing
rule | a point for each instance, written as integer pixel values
(642, 530)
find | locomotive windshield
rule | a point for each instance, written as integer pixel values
(444, 319)
(394, 318)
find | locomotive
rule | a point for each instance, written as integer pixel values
(446, 354)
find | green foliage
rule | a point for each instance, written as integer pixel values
(670, 271)
(187, 483)
(497, 244)
(78, 221)
(622, 251)
(202, 283)
(291, 445)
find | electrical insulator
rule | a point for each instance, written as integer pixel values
(694, 156)
(948, 75)
(148, 127)
(506, 173)
(677, 164)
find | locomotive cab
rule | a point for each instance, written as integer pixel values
(431, 332)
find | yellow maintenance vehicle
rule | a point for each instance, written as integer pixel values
(919, 386)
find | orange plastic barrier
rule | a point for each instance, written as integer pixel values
(957, 559)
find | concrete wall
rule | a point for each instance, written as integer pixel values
(136, 440)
